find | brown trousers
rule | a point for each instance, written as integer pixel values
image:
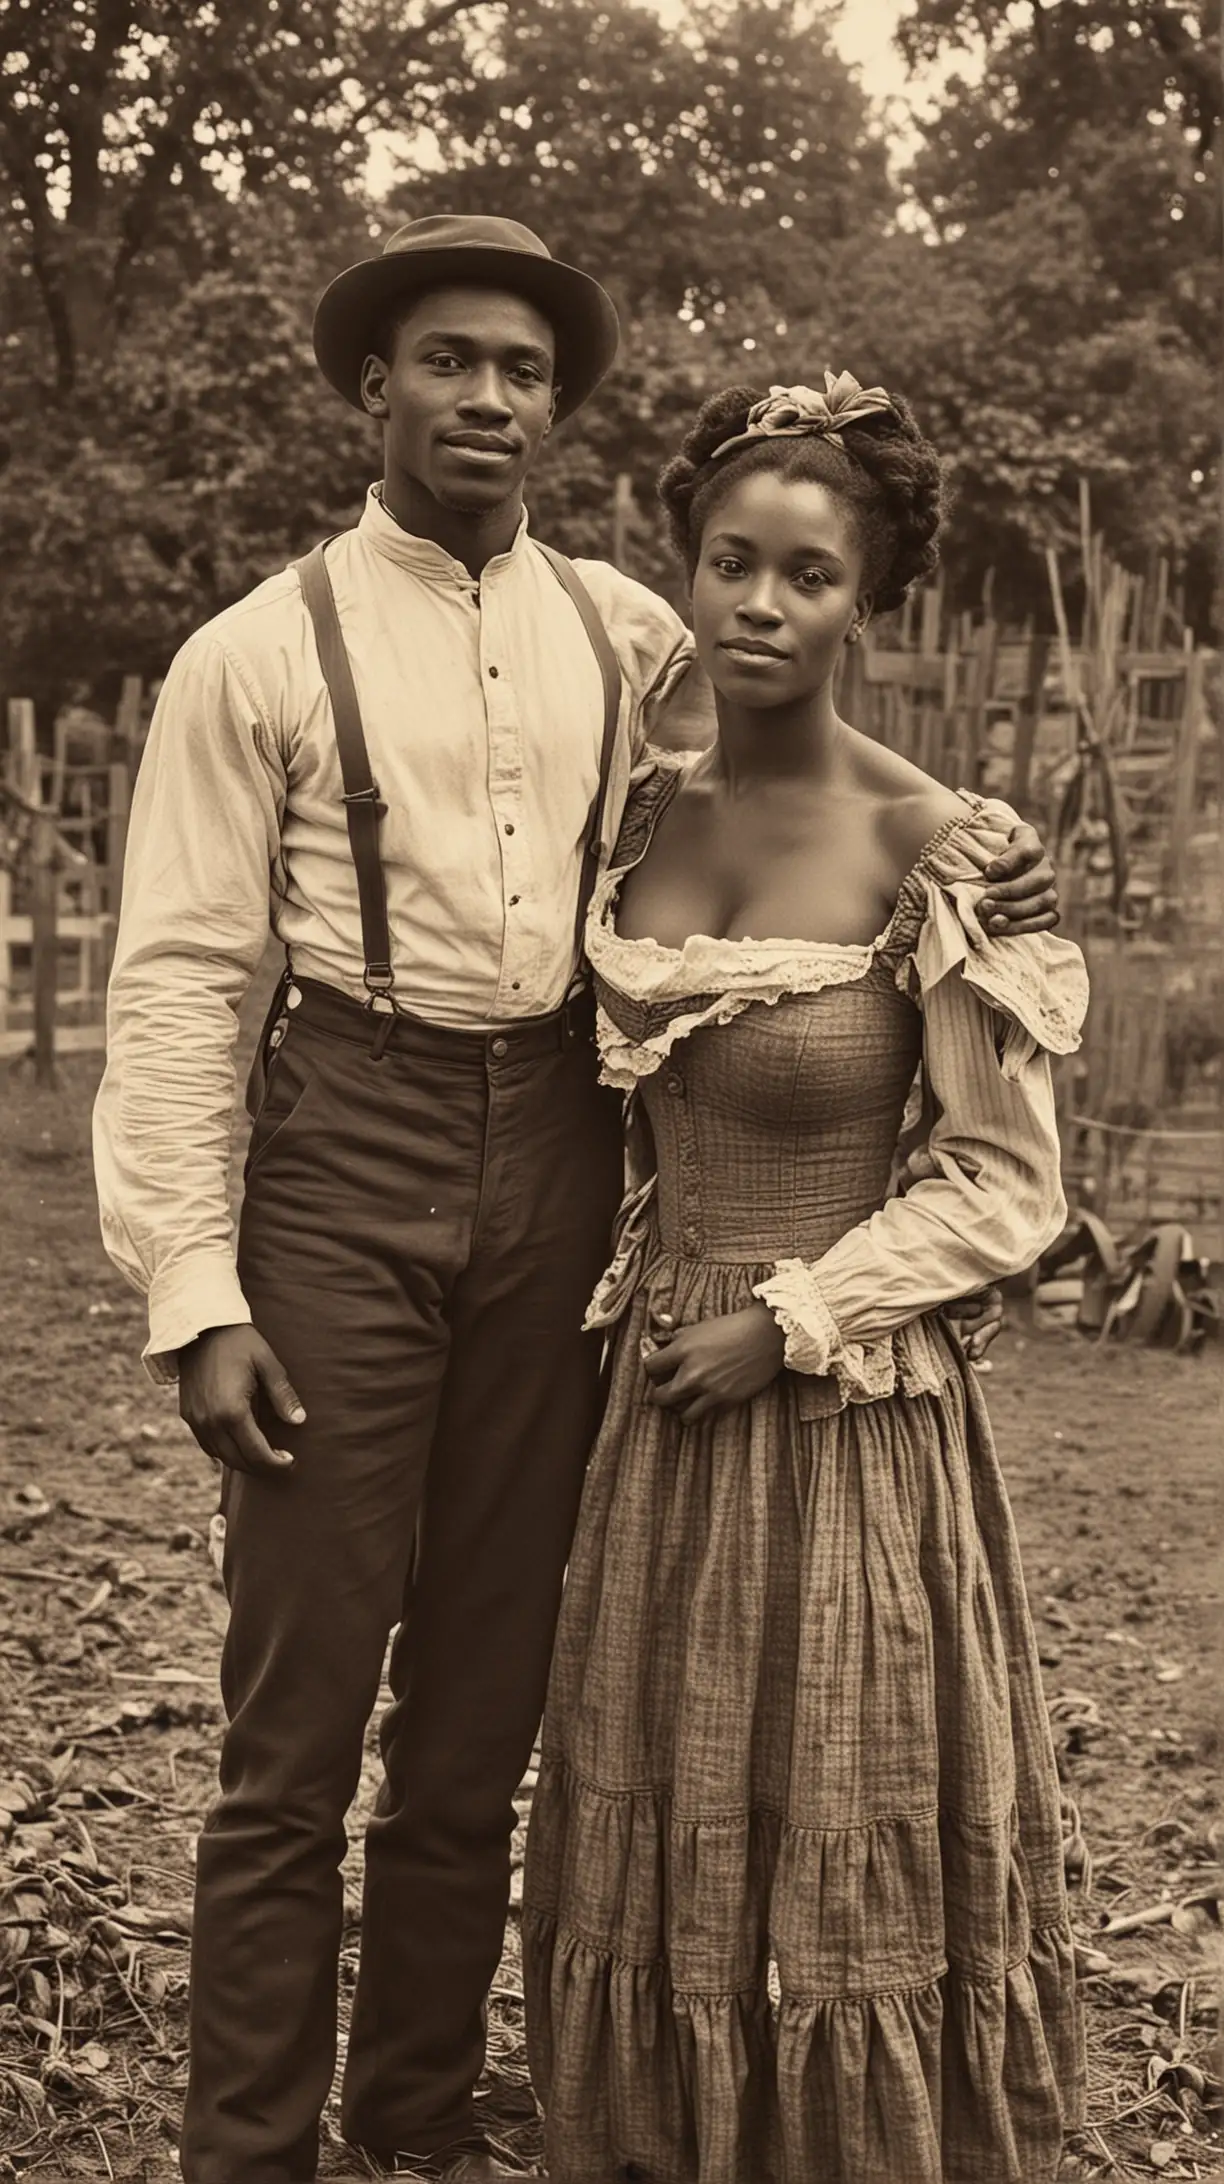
(420, 1235)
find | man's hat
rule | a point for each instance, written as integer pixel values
(462, 249)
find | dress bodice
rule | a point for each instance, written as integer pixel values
(774, 1126)
(774, 1133)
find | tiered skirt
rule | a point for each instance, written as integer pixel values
(794, 1909)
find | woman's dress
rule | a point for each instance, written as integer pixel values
(794, 1909)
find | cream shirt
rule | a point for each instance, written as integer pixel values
(482, 705)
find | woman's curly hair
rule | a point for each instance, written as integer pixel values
(886, 473)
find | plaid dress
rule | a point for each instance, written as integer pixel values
(794, 1909)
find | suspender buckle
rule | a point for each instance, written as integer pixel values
(367, 796)
(379, 978)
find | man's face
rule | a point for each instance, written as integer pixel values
(467, 395)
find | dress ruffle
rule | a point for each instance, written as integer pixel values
(864, 1372)
(1036, 983)
(700, 2067)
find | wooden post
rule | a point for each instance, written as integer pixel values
(981, 665)
(1185, 770)
(127, 718)
(622, 517)
(1028, 715)
(23, 768)
(118, 811)
(44, 889)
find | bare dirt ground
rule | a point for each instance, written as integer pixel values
(110, 1628)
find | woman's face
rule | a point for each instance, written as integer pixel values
(776, 588)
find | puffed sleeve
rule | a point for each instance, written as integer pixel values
(989, 1197)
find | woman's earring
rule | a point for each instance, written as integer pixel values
(853, 635)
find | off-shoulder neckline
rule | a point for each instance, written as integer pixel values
(867, 950)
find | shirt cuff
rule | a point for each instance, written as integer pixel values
(190, 1296)
(865, 1372)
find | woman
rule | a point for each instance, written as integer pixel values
(794, 1903)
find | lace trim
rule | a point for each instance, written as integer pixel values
(1036, 982)
(865, 1372)
(623, 1061)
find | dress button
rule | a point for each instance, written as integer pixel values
(293, 997)
(675, 1084)
(499, 1048)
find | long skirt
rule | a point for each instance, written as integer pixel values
(794, 1908)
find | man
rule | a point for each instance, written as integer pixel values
(392, 1372)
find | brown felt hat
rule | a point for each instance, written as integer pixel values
(467, 249)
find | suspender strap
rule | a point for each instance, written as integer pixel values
(609, 667)
(363, 807)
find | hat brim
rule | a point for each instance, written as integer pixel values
(350, 316)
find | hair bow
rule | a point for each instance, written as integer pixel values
(792, 411)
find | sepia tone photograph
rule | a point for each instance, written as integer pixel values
(611, 1077)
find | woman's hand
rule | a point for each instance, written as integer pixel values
(705, 1368)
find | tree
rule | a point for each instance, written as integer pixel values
(685, 167)
(1116, 102)
(217, 454)
(1029, 371)
(1095, 129)
(119, 119)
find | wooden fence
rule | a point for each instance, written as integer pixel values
(64, 817)
(1140, 1104)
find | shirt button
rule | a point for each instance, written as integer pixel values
(509, 827)
(513, 900)
(493, 673)
(293, 997)
(515, 983)
(499, 1048)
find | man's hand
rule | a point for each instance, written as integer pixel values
(976, 1321)
(220, 1374)
(1021, 888)
(716, 1363)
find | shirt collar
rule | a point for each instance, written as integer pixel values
(380, 530)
